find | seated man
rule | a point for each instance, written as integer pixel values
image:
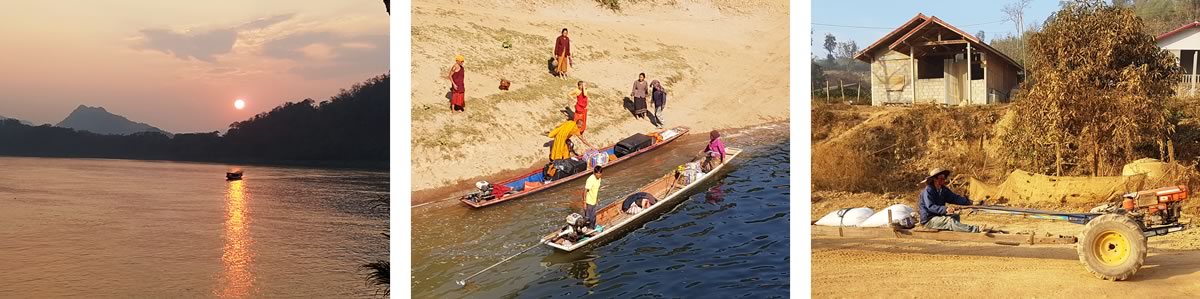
(934, 212)
(637, 202)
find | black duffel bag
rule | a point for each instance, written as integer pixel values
(559, 169)
(632, 144)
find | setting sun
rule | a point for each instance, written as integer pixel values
(239, 104)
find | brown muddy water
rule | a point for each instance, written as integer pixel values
(103, 228)
(730, 239)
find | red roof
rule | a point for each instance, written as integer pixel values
(1179, 30)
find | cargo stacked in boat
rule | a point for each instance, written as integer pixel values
(562, 171)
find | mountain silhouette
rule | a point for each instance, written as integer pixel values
(22, 121)
(349, 129)
(100, 121)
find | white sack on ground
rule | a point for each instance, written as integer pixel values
(849, 217)
(880, 219)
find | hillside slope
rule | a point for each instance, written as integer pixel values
(725, 64)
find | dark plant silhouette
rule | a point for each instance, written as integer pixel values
(379, 272)
(379, 276)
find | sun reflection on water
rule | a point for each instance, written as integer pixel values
(237, 280)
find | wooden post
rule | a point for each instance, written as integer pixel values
(827, 91)
(1192, 77)
(983, 59)
(857, 92)
(970, 97)
(912, 65)
(842, 89)
(889, 217)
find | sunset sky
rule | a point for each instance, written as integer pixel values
(179, 65)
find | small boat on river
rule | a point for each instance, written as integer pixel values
(665, 192)
(233, 175)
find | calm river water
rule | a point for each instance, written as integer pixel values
(142, 229)
(729, 240)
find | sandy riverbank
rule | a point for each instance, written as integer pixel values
(725, 64)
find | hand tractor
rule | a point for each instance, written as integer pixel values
(1112, 244)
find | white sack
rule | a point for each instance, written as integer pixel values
(880, 219)
(851, 217)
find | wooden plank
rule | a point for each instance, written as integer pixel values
(942, 42)
(883, 232)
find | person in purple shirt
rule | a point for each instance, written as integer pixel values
(715, 151)
(934, 212)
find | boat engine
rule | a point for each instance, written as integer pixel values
(576, 228)
(1155, 207)
(483, 192)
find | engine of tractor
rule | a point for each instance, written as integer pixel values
(1155, 207)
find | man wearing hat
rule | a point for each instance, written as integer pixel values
(934, 212)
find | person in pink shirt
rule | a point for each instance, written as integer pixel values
(715, 151)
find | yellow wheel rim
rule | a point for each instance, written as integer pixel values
(1111, 248)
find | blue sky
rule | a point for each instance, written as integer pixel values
(892, 14)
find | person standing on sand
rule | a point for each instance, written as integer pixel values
(581, 102)
(458, 101)
(562, 54)
(558, 148)
(934, 212)
(659, 96)
(591, 190)
(639, 96)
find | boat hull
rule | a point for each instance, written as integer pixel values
(626, 222)
(517, 183)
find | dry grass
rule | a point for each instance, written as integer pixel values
(667, 58)
(546, 94)
(893, 151)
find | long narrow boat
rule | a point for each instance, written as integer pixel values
(611, 218)
(535, 181)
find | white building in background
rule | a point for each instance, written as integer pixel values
(926, 60)
(1184, 43)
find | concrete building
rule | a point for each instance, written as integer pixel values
(926, 60)
(1184, 43)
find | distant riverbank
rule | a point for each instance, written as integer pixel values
(348, 165)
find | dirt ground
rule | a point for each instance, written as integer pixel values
(848, 268)
(899, 268)
(723, 62)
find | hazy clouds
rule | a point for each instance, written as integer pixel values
(324, 55)
(204, 45)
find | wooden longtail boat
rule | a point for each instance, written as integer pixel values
(233, 175)
(611, 219)
(535, 181)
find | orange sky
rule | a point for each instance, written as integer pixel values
(179, 65)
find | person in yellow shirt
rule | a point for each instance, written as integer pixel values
(591, 192)
(564, 131)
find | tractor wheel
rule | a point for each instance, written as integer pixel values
(1112, 247)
